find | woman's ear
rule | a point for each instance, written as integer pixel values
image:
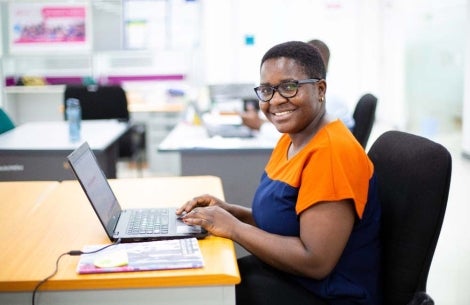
(322, 88)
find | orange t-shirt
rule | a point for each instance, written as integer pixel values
(333, 166)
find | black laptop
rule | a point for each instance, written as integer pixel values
(131, 225)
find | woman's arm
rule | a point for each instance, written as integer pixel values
(242, 213)
(324, 231)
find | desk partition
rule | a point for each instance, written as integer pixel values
(239, 162)
(38, 150)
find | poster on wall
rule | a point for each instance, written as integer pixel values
(49, 27)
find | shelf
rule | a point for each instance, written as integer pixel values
(34, 89)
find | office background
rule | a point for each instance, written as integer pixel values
(402, 51)
(413, 55)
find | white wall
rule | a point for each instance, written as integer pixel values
(434, 59)
(350, 28)
(466, 103)
(398, 50)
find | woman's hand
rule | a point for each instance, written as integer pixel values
(213, 219)
(200, 201)
(210, 213)
(251, 119)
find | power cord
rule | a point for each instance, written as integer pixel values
(71, 253)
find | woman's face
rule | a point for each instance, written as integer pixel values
(296, 114)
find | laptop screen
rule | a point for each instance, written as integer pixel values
(96, 186)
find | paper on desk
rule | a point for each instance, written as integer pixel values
(143, 256)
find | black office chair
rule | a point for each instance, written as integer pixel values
(110, 102)
(364, 117)
(413, 178)
(6, 122)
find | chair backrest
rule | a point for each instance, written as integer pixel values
(99, 102)
(413, 176)
(104, 102)
(364, 117)
(5, 122)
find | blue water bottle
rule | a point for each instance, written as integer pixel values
(74, 117)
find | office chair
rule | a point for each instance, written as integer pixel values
(413, 176)
(5, 122)
(110, 102)
(364, 117)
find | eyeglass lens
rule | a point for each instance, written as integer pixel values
(287, 90)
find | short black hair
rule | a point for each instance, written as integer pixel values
(306, 55)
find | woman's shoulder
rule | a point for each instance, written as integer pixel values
(335, 135)
(337, 141)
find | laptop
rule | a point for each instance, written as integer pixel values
(131, 225)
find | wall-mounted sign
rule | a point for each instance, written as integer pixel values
(49, 27)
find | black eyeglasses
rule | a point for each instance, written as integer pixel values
(286, 89)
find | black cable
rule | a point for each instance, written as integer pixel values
(71, 253)
(47, 278)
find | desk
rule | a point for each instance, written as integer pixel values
(148, 103)
(238, 162)
(51, 229)
(37, 150)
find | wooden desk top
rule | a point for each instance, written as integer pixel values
(57, 218)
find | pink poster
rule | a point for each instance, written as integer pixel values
(48, 26)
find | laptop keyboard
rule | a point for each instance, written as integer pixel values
(148, 221)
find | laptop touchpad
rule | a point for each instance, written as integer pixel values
(183, 228)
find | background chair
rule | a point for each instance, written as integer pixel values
(110, 102)
(414, 178)
(5, 122)
(364, 117)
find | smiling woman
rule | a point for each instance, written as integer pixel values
(303, 78)
(314, 224)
